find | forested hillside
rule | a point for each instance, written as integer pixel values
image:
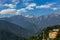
(49, 33)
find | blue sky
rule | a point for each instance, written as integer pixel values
(26, 7)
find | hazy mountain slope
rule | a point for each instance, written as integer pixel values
(21, 21)
(15, 29)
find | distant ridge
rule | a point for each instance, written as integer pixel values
(15, 29)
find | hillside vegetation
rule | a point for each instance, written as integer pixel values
(51, 33)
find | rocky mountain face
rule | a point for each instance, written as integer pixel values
(34, 24)
(45, 20)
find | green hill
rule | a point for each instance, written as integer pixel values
(49, 33)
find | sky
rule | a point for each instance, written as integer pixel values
(26, 7)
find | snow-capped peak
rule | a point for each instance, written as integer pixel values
(30, 16)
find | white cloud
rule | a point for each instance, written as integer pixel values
(15, 1)
(17, 12)
(30, 16)
(12, 11)
(8, 11)
(48, 6)
(30, 6)
(10, 5)
(26, 2)
(20, 11)
(54, 9)
(45, 6)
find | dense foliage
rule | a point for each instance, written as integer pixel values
(46, 33)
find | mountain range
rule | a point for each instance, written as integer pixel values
(32, 25)
(45, 20)
(13, 28)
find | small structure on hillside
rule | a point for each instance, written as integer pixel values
(53, 34)
(56, 30)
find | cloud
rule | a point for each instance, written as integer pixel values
(12, 11)
(20, 11)
(27, 2)
(30, 6)
(45, 6)
(48, 6)
(10, 5)
(15, 1)
(54, 9)
(30, 16)
(8, 11)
